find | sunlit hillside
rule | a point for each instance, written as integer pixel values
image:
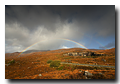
(59, 64)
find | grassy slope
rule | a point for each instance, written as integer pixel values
(29, 66)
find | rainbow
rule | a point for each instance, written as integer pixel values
(96, 41)
(101, 44)
(74, 42)
(54, 38)
(30, 47)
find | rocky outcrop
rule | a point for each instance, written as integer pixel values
(83, 54)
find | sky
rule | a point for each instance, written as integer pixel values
(43, 27)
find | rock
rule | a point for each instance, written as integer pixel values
(104, 60)
(40, 75)
(88, 73)
(28, 67)
(100, 73)
(7, 64)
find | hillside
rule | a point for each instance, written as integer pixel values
(30, 51)
(35, 65)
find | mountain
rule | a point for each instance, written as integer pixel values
(96, 49)
(30, 51)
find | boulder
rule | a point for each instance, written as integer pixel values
(104, 60)
(100, 73)
(28, 67)
(7, 64)
(70, 54)
(86, 73)
(40, 75)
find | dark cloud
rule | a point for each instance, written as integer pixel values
(89, 17)
(27, 24)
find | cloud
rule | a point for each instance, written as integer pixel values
(26, 25)
(64, 47)
(18, 37)
(93, 19)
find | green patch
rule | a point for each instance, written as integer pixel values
(68, 65)
(60, 68)
(49, 61)
(11, 62)
(55, 63)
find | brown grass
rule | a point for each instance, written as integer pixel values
(29, 66)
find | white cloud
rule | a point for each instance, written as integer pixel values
(18, 37)
(64, 47)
